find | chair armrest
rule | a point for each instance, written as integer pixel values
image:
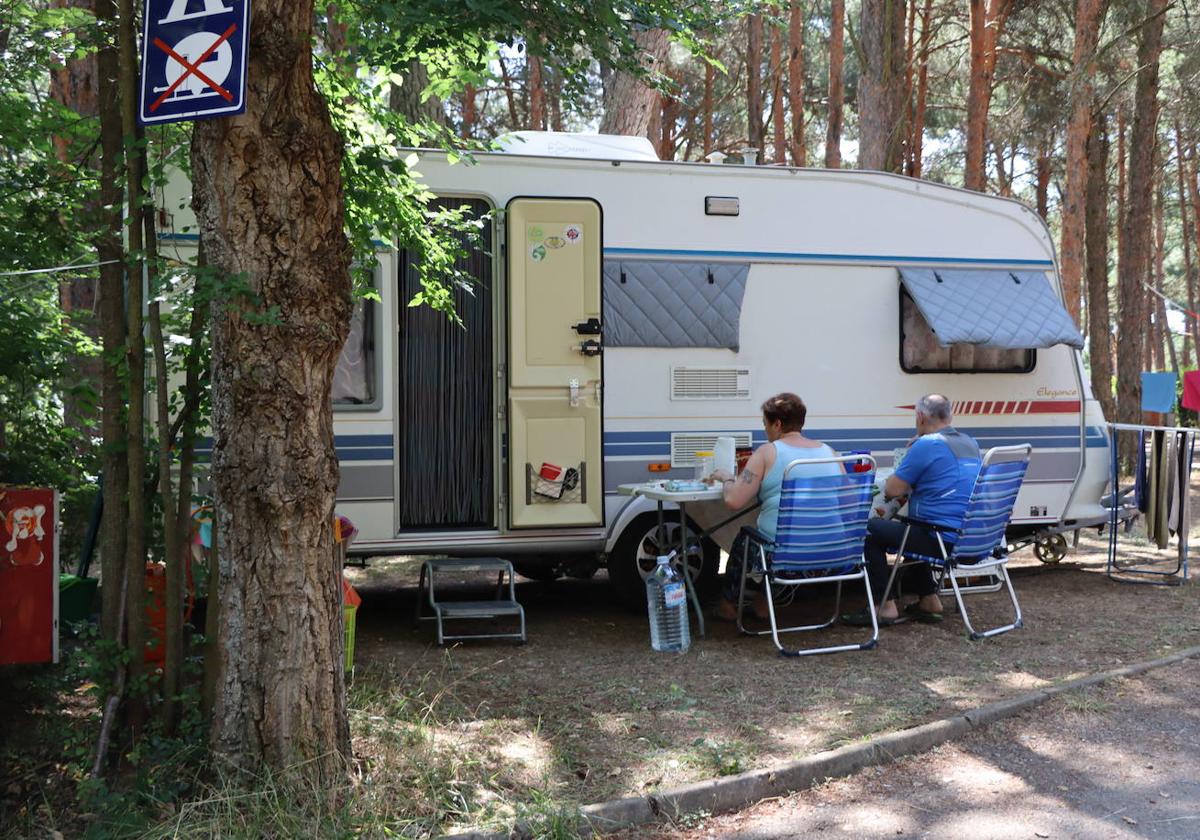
(757, 535)
(932, 526)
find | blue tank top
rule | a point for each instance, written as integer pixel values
(772, 483)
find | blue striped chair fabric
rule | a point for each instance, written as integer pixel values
(987, 516)
(822, 523)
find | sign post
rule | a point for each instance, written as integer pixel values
(193, 59)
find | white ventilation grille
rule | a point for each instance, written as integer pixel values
(685, 445)
(710, 383)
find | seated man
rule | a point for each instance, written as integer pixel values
(937, 475)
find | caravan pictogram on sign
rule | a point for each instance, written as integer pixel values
(193, 59)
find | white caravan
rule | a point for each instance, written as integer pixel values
(632, 310)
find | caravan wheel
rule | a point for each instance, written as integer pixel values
(1050, 548)
(636, 552)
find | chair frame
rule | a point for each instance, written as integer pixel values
(761, 542)
(949, 569)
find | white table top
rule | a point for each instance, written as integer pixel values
(657, 491)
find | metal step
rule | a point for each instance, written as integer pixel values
(477, 609)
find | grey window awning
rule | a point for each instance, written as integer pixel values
(991, 308)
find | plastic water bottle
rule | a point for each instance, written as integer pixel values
(667, 601)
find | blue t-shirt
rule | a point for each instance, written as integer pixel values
(941, 468)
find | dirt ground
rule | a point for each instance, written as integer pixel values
(586, 711)
(1118, 761)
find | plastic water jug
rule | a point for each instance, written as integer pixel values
(666, 599)
(726, 454)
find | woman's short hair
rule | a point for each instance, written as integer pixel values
(788, 409)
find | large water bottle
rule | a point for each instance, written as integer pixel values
(667, 601)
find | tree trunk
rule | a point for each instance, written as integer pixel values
(407, 97)
(537, 95)
(1189, 277)
(754, 99)
(627, 101)
(109, 250)
(1096, 230)
(1194, 184)
(987, 22)
(135, 361)
(666, 134)
(1160, 310)
(910, 45)
(1088, 15)
(837, 50)
(269, 201)
(778, 117)
(1122, 173)
(1045, 170)
(918, 129)
(1134, 235)
(468, 112)
(554, 96)
(509, 93)
(1003, 181)
(707, 107)
(795, 74)
(881, 85)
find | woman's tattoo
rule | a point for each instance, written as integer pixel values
(748, 477)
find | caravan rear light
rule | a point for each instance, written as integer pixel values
(659, 467)
(722, 205)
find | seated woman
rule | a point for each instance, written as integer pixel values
(762, 478)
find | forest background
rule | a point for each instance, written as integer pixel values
(1089, 111)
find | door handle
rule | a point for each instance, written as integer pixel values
(573, 385)
(589, 327)
(591, 347)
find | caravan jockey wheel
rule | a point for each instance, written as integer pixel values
(1050, 548)
(636, 553)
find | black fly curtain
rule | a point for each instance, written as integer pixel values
(445, 448)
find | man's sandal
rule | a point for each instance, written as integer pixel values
(917, 613)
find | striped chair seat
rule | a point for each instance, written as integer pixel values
(819, 537)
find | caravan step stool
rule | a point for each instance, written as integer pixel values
(447, 610)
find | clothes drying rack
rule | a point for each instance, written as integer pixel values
(1137, 571)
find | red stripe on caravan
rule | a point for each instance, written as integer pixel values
(1054, 407)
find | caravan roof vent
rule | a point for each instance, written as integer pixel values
(685, 445)
(710, 383)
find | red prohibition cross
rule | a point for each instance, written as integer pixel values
(193, 69)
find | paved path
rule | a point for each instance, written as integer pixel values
(1118, 761)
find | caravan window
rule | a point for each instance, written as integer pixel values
(920, 351)
(355, 381)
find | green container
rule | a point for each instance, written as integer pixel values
(76, 596)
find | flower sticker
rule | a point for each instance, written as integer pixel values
(573, 233)
(537, 253)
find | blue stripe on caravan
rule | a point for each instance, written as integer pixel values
(801, 255)
(362, 440)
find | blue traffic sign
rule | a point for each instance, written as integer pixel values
(193, 59)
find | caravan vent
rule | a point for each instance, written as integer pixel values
(710, 383)
(685, 445)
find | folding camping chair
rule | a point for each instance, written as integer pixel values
(981, 548)
(819, 539)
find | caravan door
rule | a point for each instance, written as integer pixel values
(555, 365)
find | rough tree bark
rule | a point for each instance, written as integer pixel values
(1163, 326)
(135, 362)
(1096, 230)
(795, 75)
(779, 136)
(1088, 15)
(268, 197)
(881, 126)
(707, 107)
(628, 102)
(1194, 189)
(405, 98)
(113, 526)
(468, 112)
(537, 95)
(917, 131)
(1134, 234)
(1189, 278)
(1044, 172)
(987, 22)
(509, 94)
(754, 99)
(837, 50)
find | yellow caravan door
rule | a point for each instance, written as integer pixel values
(554, 363)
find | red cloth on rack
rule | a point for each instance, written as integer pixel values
(1191, 390)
